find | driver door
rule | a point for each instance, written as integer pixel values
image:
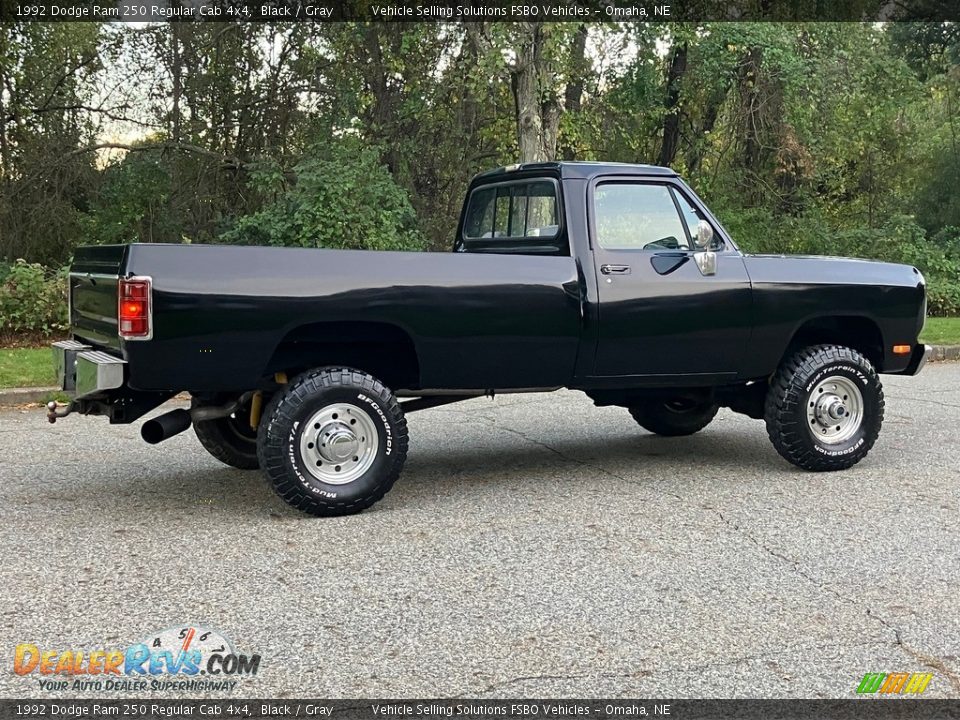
(661, 314)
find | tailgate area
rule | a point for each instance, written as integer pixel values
(94, 276)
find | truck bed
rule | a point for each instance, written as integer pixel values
(221, 314)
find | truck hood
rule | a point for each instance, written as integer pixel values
(819, 269)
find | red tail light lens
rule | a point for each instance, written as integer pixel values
(134, 319)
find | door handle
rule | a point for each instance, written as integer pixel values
(615, 269)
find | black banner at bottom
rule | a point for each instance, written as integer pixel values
(231, 709)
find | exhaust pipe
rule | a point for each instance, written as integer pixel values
(164, 427)
(212, 412)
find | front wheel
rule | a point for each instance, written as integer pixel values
(824, 408)
(674, 417)
(334, 442)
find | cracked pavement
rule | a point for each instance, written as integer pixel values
(534, 546)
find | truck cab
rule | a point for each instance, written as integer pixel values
(668, 297)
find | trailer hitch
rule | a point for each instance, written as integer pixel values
(54, 411)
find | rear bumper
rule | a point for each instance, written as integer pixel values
(921, 354)
(84, 372)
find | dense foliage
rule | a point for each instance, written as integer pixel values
(340, 196)
(822, 138)
(33, 301)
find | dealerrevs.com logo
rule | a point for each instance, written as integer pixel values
(185, 658)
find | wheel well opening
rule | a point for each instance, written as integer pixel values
(385, 351)
(860, 333)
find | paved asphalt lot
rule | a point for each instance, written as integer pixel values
(535, 546)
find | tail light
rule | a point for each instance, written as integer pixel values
(134, 309)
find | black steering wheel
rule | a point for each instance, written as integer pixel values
(667, 243)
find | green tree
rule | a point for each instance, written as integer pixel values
(339, 196)
(46, 111)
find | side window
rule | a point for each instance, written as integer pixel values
(480, 213)
(691, 216)
(513, 211)
(502, 215)
(542, 211)
(631, 216)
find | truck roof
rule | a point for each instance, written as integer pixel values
(580, 169)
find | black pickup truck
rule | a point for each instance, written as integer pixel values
(615, 280)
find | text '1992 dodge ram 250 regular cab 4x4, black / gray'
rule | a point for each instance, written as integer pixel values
(615, 280)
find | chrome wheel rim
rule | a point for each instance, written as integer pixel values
(339, 443)
(834, 410)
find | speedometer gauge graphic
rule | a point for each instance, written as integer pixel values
(187, 638)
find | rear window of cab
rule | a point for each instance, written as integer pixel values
(508, 212)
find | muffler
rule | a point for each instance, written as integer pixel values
(163, 427)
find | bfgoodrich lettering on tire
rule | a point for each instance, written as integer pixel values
(824, 408)
(334, 442)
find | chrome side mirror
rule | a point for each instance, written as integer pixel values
(705, 256)
(706, 261)
(704, 238)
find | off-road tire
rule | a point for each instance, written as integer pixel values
(283, 425)
(789, 397)
(672, 418)
(230, 440)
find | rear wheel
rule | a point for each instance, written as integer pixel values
(674, 417)
(334, 442)
(229, 439)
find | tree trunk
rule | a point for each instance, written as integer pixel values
(526, 96)
(533, 82)
(711, 114)
(4, 147)
(751, 109)
(573, 95)
(537, 107)
(671, 104)
(382, 117)
(176, 73)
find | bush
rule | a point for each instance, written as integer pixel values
(134, 202)
(943, 298)
(341, 196)
(900, 240)
(33, 300)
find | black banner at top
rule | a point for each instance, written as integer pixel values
(478, 10)
(896, 708)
